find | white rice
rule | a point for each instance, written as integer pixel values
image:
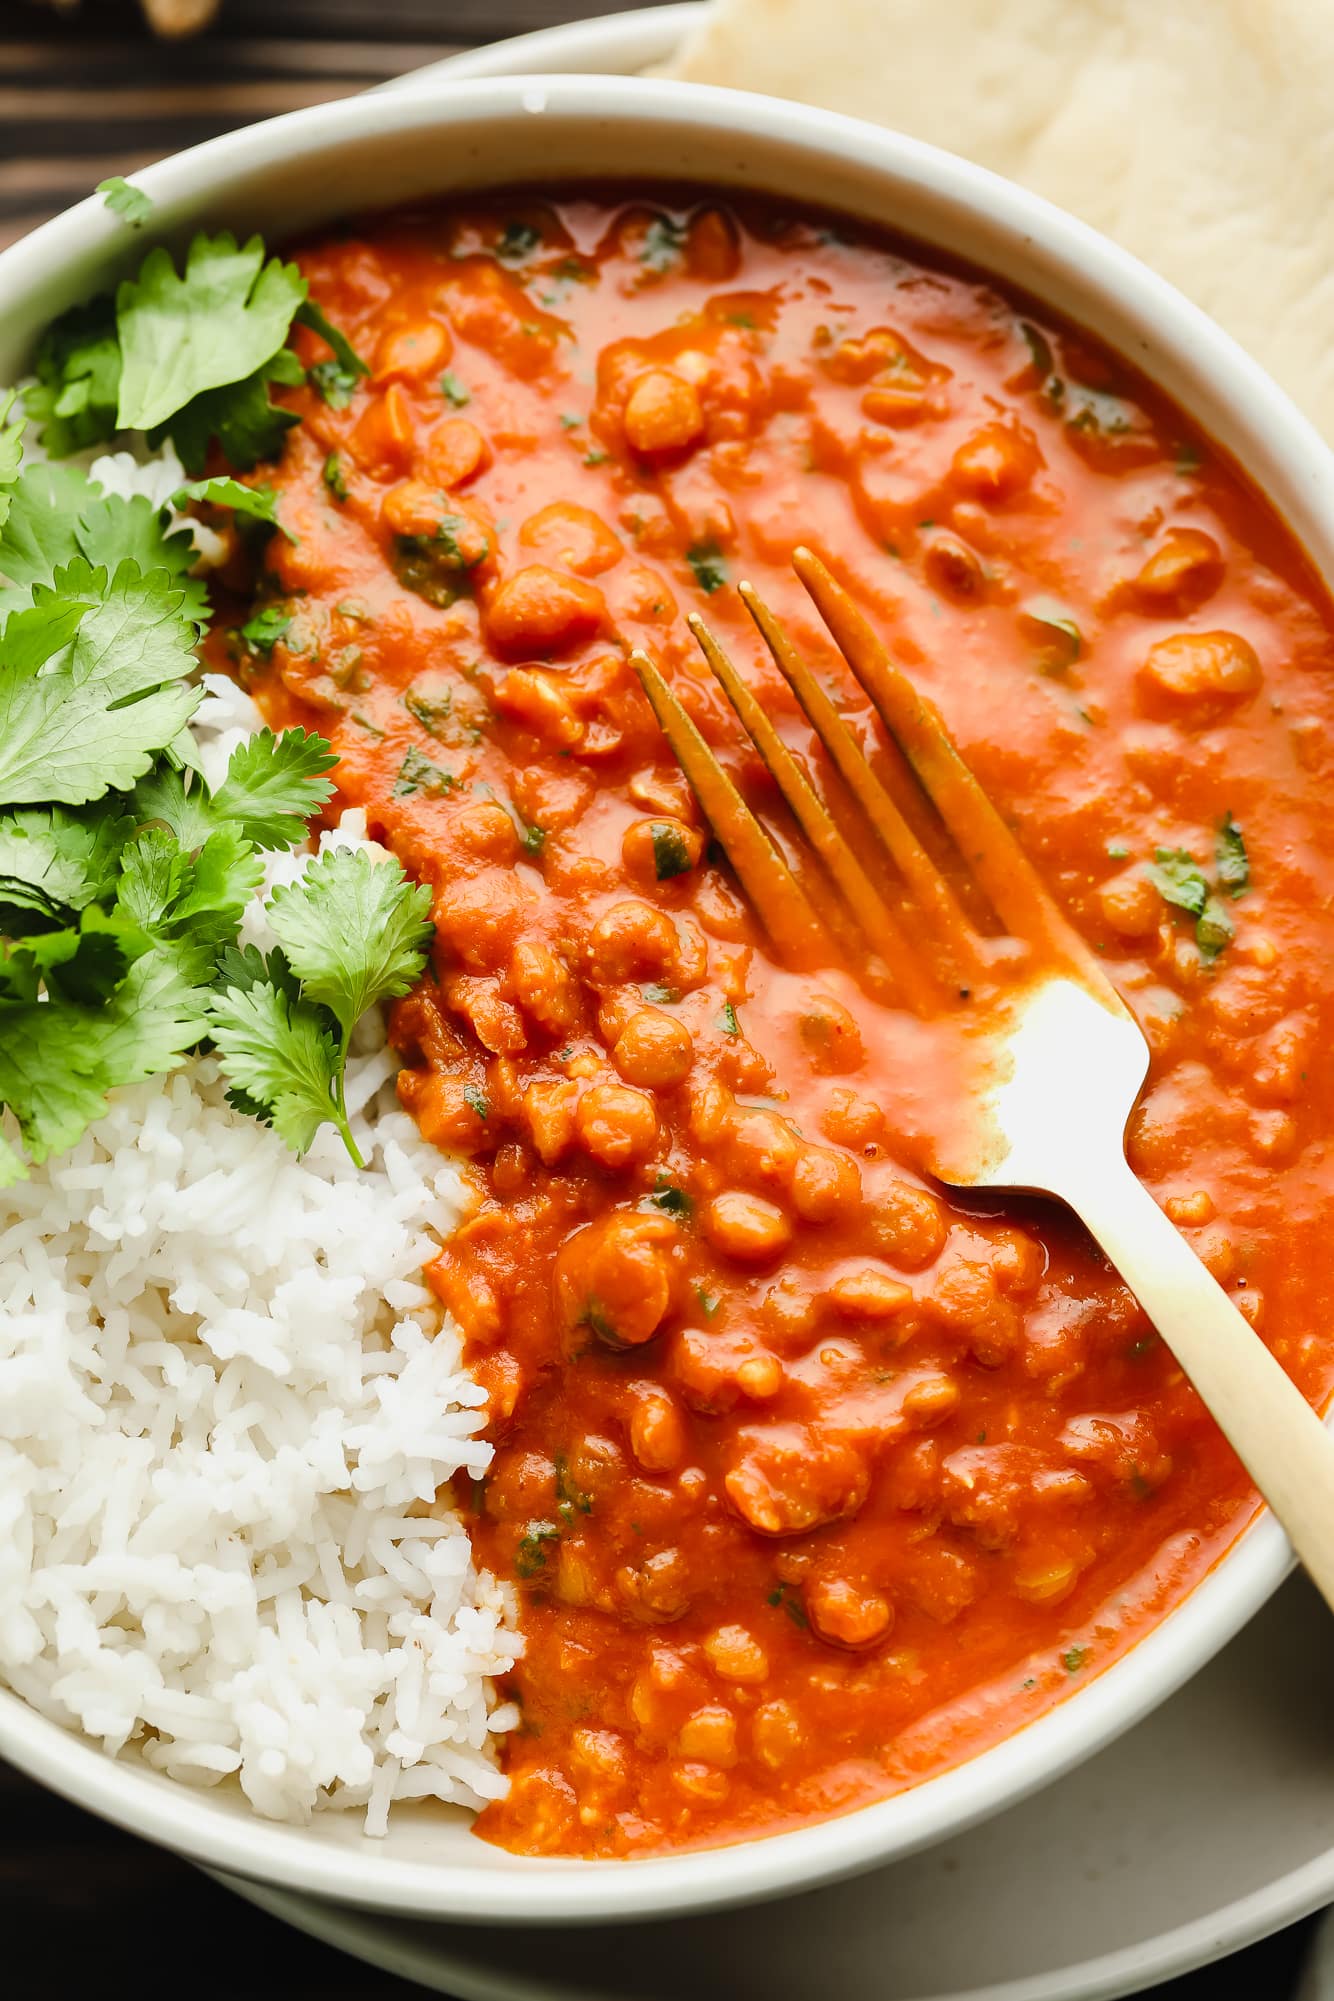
(227, 1408)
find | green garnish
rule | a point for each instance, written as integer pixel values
(1058, 618)
(664, 240)
(1179, 881)
(418, 774)
(257, 503)
(782, 1599)
(518, 240)
(673, 1201)
(478, 1100)
(1073, 1659)
(531, 1554)
(658, 994)
(595, 456)
(265, 628)
(353, 933)
(131, 204)
(333, 476)
(453, 390)
(706, 560)
(533, 839)
(570, 1497)
(1231, 862)
(671, 851)
(727, 1020)
(708, 1301)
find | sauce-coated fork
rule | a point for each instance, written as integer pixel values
(1065, 1059)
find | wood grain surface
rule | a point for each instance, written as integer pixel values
(85, 93)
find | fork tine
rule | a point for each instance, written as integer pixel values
(910, 857)
(982, 837)
(765, 876)
(881, 931)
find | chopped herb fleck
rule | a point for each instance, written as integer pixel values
(533, 839)
(333, 478)
(706, 560)
(1118, 851)
(595, 456)
(1073, 1659)
(473, 1095)
(660, 995)
(262, 632)
(727, 1020)
(781, 1596)
(430, 710)
(531, 1555)
(453, 390)
(708, 1302)
(571, 1497)
(1057, 618)
(418, 774)
(664, 240)
(569, 421)
(1180, 881)
(1231, 860)
(671, 851)
(518, 240)
(673, 1201)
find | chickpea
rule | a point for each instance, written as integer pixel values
(616, 1124)
(998, 461)
(830, 1036)
(870, 1294)
(1189, 1211)
(909, 1225)
(653, 1050)
(1130, 904)
(381, 440)
(853, 1122)
(656, 1589)
(446, 1107)
(574, 537)
(485, 829)
(825, 1184)
(932, 1399)
(413, 507)
(540, 704)
(1185, 569)
(413, 350)
(657, 1430)
(700, 1782)
(550, 1105)
(481, 916)
(455, 452)
(746, 1227)
(542, 985)
(1195, 668)
(845, 1615)
(662, 414)
(1017, 1260)
(631, 941)
(1047, 1583)
(736, 1655)
(616, 1277)
(789, 1481)
(656, 850)
(598, 1753)
(539, 611)
(757, 1145)
(760, 1377)
(710, 1734)
(954, 570)
(776, 1734)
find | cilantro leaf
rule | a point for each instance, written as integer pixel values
(58, 1059)
(262, 632)
(355, 931)
(11, 450)
(53, 862)
(280, 1054)
(1231, 859)
(125, 200)
(258, 502)
(217, 324)
(246, 423)
(274, 784)
(706, 560)
(110, 528)
(1178, 880)
(78, 380)
(86, 962)
(39, 532)
(188, 813)
(93, 721)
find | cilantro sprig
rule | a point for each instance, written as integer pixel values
(351, 933)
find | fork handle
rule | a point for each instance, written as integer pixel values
(1279, 1439)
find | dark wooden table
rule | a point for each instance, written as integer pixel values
(83, 95)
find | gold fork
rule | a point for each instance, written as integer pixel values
(1065, 1058)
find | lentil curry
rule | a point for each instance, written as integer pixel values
(812, 1477)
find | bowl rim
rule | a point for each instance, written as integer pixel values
(1299, 483)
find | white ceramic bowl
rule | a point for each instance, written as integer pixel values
(302, 170)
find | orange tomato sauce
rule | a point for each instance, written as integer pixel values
(812, 1478)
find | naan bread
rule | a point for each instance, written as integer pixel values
(1198, 133)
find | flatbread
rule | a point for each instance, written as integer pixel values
(1198, 133)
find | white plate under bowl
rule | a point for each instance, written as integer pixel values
(1209, 1826)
